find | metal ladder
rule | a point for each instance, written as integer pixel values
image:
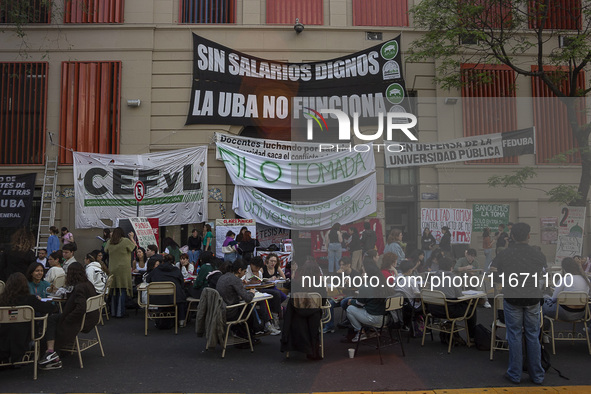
(48, 202)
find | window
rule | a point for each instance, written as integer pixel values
(488, 103)
(208, 11)
(23, 105)
(553, 132)
(560, 14)
(90, 108)
(93, 11)
(380, 13)
(309, 12)
(483, 14)
(25, 11)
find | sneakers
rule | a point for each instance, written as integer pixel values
(56, 364)
(182, 323)
(328, 329)
(487, 305)
(49, 357)
(359, 337)
(270, 328)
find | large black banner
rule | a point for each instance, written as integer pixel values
(16, 199)
(230, 87)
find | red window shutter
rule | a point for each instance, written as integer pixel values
(94, 11)
(380, 13)
(561, 14)
(91, 105)
(491, 14)
(309, 12)
(553, 131)
(23, 109)
(488, 103)
(207, 11)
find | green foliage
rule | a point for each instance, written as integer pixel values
(564, 194)
(518, 178)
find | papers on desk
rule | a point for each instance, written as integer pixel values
(48, 299)
(471, 292)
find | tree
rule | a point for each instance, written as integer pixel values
(518, 34)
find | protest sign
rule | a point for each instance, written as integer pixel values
(487, 146)
(267, 235)
(16, 199)
(143, 232)
(548, 230)
(348, 207)
(231, 87)
(174, 184)
(222, 226)
(570, 233)
(247, 169)
(489, 215)
(458, 220)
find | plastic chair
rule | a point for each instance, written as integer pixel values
(497, 344)
(392, 304)
(576, 299)
(160, 289)
(435, 297)
(105, 295)
(82, 344)
(25, 314)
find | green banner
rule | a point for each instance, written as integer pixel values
(489, 215)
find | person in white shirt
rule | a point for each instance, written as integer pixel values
(55, 269)
(42, 257)
(68, 253)
(95, 273)
(185, 266)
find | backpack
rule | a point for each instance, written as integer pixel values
(482, 337)
(545, 362)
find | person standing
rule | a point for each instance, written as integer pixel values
(368, 238)
(445, 241)
(207, 238)
(522, 303)
(355, 248)
(119, 249)
(487, 246)
(53, 242)
(428, 242)
(335, 249)
(194, 243)
(67, 236)
(501, 238)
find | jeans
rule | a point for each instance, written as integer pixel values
(528, 319)
(488, 258)
(343, 303)
(427, 254)
(360, 316)
(230, 257)
(194, 255)
(334, 255)
(118, 301)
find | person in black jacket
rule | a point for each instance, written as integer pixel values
(14, 338)
(194, 244)
(168, 272)
(248, 245)
(445, 241)
(20, 255)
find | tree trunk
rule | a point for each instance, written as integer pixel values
(581, 136)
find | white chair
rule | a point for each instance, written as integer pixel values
(60, 281)
(106, 290)
(25, 314)
(572, 299)
(392, 304)
(152, 308)
(495, 343)
(435, 297)
(82, 344)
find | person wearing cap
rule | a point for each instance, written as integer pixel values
(445, 241)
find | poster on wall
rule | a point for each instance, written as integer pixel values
(16, 199)
(172, 185)
(489, 215)
(222, 226)
(267, 235)
(458, 220)
(570, 233)
(548, 230)
(232, 87)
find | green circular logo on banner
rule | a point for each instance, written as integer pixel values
(395, 93)
(389, 50)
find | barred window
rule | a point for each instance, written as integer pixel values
(207, 11)
(93, 11)
(380, 13)
(309, 12)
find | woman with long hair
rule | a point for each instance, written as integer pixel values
(55, 262)
(394, 244)
(207, 238)
(37, 285)
(247, 245)
(20, 255)
(62, 328)
(119, 249)
(172, 248)
(579, 282)
(14, 338)
(335, 249)
(229, 247)
(139, 263)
